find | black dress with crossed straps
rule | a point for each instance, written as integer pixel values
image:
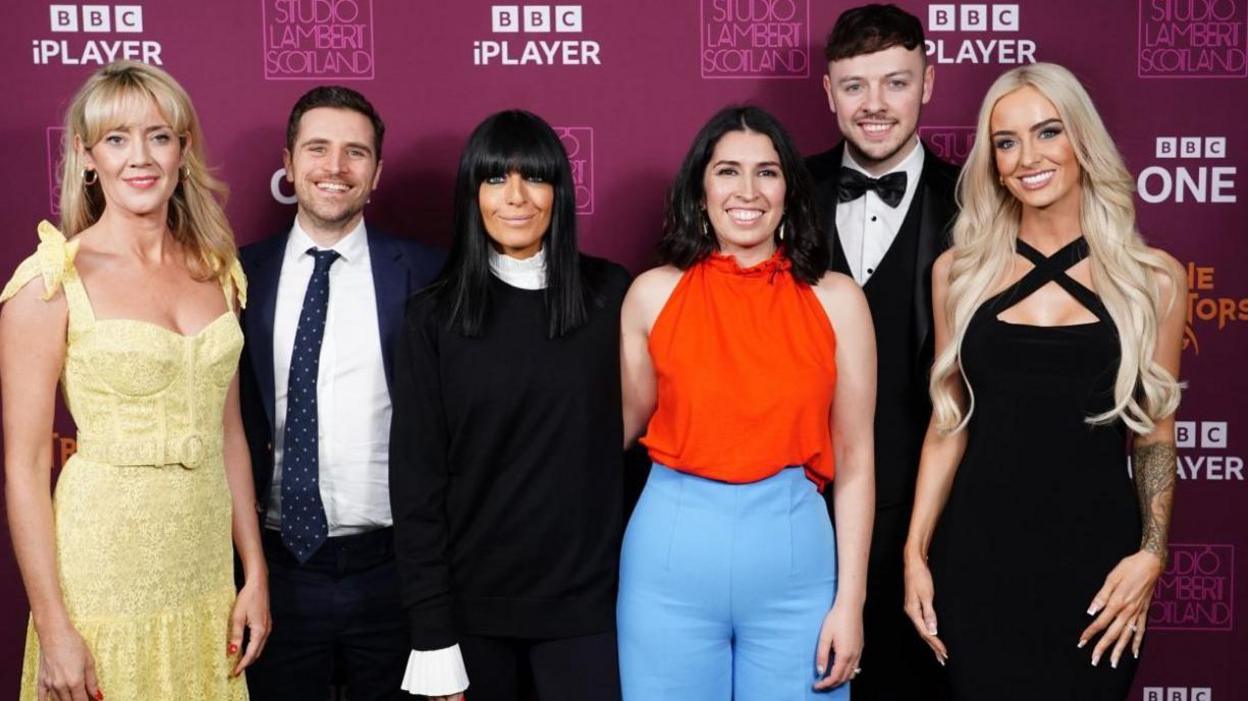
(1042, 505)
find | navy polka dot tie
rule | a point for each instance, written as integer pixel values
(304, 527)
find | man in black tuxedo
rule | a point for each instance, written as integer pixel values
(327, 298)
(888, 204)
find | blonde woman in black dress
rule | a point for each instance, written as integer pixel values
(1058, 334)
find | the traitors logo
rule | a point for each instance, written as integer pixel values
(318, 39)
(1196, 592)
(579, 143)
(950, 144)
(755, 38)
(1193, 39)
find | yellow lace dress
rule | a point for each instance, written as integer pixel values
(142, 510)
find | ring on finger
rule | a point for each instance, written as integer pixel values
(857, 671)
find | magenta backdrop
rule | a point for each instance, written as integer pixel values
(629, 83)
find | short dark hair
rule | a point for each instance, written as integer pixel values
(870, 28)
(684, 242)
(338, 97)
(512, 141)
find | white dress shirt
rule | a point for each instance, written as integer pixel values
(353, 401)
(441, 672)
(866, 226)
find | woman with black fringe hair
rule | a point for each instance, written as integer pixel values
(505, 463)
(751, 371)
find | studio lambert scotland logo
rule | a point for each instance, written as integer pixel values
(54, 137)
(1196, 590)
(318, 39)
(755, 38)
(951, 144)
(1193, 39)
(579, 143)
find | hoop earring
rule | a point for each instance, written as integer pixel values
(706, 233)
(90, 177)
(782, 230)
(185, 172)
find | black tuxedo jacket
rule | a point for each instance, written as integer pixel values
(400, 268)
(937, 210)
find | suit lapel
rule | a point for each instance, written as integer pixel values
(390, 283)
(262, 288)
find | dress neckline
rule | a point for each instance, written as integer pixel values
(727, 263)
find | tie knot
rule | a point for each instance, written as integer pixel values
(323, 258)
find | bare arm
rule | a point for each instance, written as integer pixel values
(32, 354)
(938, 463)
(853, 489)
(1122, 603)
(251, 610)
(645, 299)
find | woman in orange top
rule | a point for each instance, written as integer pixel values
(755, 370)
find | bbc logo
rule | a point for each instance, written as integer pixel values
(536, 18)
(1212, 434)
(1191, 147)
(1177, 693)
(101, 19)
(972, 18)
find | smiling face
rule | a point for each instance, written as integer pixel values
(877, 98)
(516, 212)
(334, 169)
(1032, 150)
(745, 189)
(136, 160)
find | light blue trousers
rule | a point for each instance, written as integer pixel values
(723, 589)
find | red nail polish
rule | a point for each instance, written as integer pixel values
(232, 648)
(99, 695)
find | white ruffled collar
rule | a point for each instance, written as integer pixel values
(527, 274)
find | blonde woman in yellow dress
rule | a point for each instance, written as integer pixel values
(129, 569)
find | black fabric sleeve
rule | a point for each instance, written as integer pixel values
(419, 442)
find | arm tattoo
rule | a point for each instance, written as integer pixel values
(1155, 467)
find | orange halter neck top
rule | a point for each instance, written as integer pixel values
(746, 367)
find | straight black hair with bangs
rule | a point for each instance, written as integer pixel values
(512, 141)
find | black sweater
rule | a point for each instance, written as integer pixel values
(506, 467)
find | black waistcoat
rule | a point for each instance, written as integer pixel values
(902, 406)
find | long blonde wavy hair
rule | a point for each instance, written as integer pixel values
(195, 218)
(1123, 269)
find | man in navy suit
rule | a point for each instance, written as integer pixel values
(326, 300)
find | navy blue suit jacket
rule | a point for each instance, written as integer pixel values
(400, 268)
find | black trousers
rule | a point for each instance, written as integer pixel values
(896, 664)
(584, 668)
(336, 618)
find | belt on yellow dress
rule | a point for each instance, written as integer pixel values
(189, 451)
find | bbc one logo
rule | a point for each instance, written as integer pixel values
(1203, 176)
(90, 20)
(1206, 309)
(1196, 590)
(950, 144)
(318, 39)
(536, 19)
(1000, 22)
(755, 38)
(1177, 693)
(579, 144)
(1193, 39)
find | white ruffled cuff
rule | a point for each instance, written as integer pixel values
(435, 672)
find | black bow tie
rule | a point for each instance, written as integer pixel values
(854, 184)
